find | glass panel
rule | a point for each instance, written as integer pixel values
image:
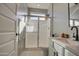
(43, 32)
(29, 28)
(31, 32)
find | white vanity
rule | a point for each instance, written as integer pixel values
(63, 47)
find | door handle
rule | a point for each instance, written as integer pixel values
(17, 34)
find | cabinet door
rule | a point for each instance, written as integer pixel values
(59, 49)
(50, 47)
(51, 51)
(51, 43)
(68, 53)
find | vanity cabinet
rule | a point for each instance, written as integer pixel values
(68, 53)
(55, 49)
(52, 50)
(59, 49)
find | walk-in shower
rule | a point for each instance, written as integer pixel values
(37, 31)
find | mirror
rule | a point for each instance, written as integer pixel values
(73, 14)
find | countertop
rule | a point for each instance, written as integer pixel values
(68, 43)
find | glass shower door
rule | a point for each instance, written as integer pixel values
(43, 32)
(31, 32)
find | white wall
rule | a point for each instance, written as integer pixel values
(60, 20)
(50, 12)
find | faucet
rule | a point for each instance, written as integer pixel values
(76, 32)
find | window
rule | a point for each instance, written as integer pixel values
(38, 14)
(42, 18)
(33, 18)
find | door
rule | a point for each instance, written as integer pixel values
(32, 32)
(44, 31)
(7, 30)
(37, 32)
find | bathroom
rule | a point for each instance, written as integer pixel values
(39, 29)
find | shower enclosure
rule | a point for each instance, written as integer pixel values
(37, 31)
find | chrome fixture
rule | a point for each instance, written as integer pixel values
(76, 37)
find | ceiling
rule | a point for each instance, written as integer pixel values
(39, 5)
(22, 8)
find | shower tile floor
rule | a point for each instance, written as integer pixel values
(35, 52)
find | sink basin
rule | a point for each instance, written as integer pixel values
(72, 42)
(69, 41)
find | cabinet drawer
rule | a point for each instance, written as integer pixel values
(59, 49)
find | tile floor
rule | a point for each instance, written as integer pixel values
(34, 52)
